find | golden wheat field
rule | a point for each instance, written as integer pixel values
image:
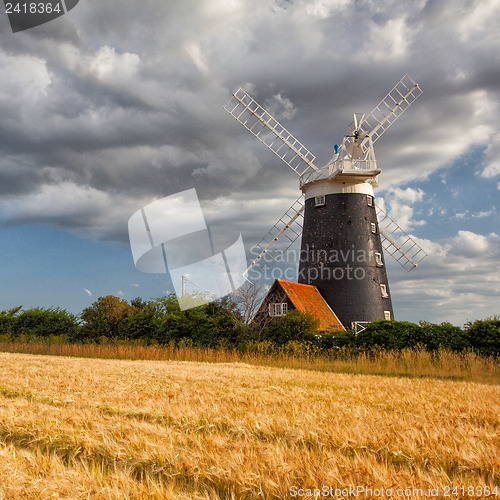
(93, 428)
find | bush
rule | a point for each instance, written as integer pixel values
(484, 335)
(295, 325)
(39, 323)
(391, 335)
(443, 336)
(8, 322)
(44, 323)
(341, 339)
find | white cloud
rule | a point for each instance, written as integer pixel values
(81, 209)
(476, 18)
(477, 215)
(198, 57)
(468, 245)
(56, 200)
(25, 80)
(399, 203)
(439, 135)
(322, 9)
(456, 282)
(108, 66)
(492, 156)
(484, 213)
(389, 40)
(280, 107)
(410, 195)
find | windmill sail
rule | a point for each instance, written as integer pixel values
(402, 247)
(388, 110)
(282, 235)
(267, 129)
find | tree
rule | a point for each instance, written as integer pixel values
(142, 324)
(207, 325)
(103, 317)
(247, 300)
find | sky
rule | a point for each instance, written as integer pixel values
(120, 103)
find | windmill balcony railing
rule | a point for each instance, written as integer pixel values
(347, 166)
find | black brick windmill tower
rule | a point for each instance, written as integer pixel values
(343, 230)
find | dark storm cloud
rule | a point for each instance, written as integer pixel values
(126, 98)
(118, 103)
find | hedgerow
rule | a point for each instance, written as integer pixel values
(219, 325)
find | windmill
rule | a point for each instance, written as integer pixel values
(343, 231)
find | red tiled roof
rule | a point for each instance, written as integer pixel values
(306, 298)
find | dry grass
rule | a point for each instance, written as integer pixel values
(408, 363)
(94, 428)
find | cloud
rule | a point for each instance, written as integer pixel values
(391, 39)
(482, 214)
(128, 112)
(468, 245)
(455, 282)
(84, 210)
(492, 156)
(198, 57)
(399, 203)
(280, 107)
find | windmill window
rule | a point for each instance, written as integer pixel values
(387, 315)
(374, 228)
(319, 201)
(369, 200)
(383, 291)
(278, 309)
(378, 259)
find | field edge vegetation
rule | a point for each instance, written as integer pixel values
(220, 331)
(415, 363)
